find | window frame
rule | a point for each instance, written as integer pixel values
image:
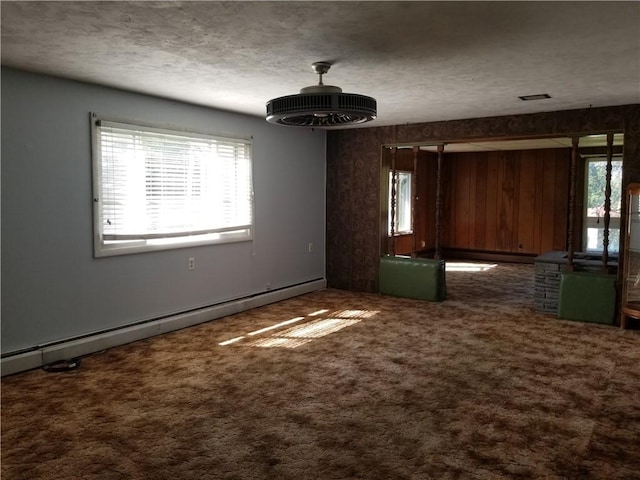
(409, 231)
(106, 248)
(592, 222)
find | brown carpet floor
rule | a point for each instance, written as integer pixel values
(343, 385)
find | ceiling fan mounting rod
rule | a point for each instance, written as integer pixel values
(321, 68)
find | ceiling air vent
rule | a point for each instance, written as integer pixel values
(321, 105)
(538, 96)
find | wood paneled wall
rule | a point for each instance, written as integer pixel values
(510, 202)
(355, 234)
(504, 202)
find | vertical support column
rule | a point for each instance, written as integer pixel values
(438, 253)
(414, 202)
(572, 201)
(394, 178)
(607, 205)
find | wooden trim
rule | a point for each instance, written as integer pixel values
(572, 202)
(607, 205)
(414, 202)
(394, 176)
(439, 177)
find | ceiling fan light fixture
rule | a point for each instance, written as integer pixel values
(321, 106)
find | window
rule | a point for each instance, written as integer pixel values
(403, 202)
(157, 189)
(596, 168)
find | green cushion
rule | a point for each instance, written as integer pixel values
(587, 297)
(419, 278)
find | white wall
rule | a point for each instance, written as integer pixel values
(52, 287)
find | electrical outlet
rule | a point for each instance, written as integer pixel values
(310, 247)
(191, 263)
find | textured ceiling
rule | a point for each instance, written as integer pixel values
(422, 61)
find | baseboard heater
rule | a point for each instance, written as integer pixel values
(84, 345)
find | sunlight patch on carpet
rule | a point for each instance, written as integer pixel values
(277, 325)
(229, 342)
(272, 342)
(354, 314)
(300, 334)
(468, 267)
(318, 328)
(296, 336)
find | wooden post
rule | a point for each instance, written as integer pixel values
(394, 175)
(414, 206)
(438, 250)
(572, 201)
(607, 205)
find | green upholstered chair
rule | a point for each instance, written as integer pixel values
(419, 278)
(587, 297)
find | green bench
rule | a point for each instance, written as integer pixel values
(419, 278)
(587, 297)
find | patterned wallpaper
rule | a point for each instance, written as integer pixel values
(353, 174)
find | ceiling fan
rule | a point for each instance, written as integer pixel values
(323, 106)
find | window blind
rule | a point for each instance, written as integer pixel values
(163, 184)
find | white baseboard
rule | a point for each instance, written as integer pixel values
(94, 343)
(21, 362)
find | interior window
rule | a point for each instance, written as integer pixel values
(403, 222)
(594, 204)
